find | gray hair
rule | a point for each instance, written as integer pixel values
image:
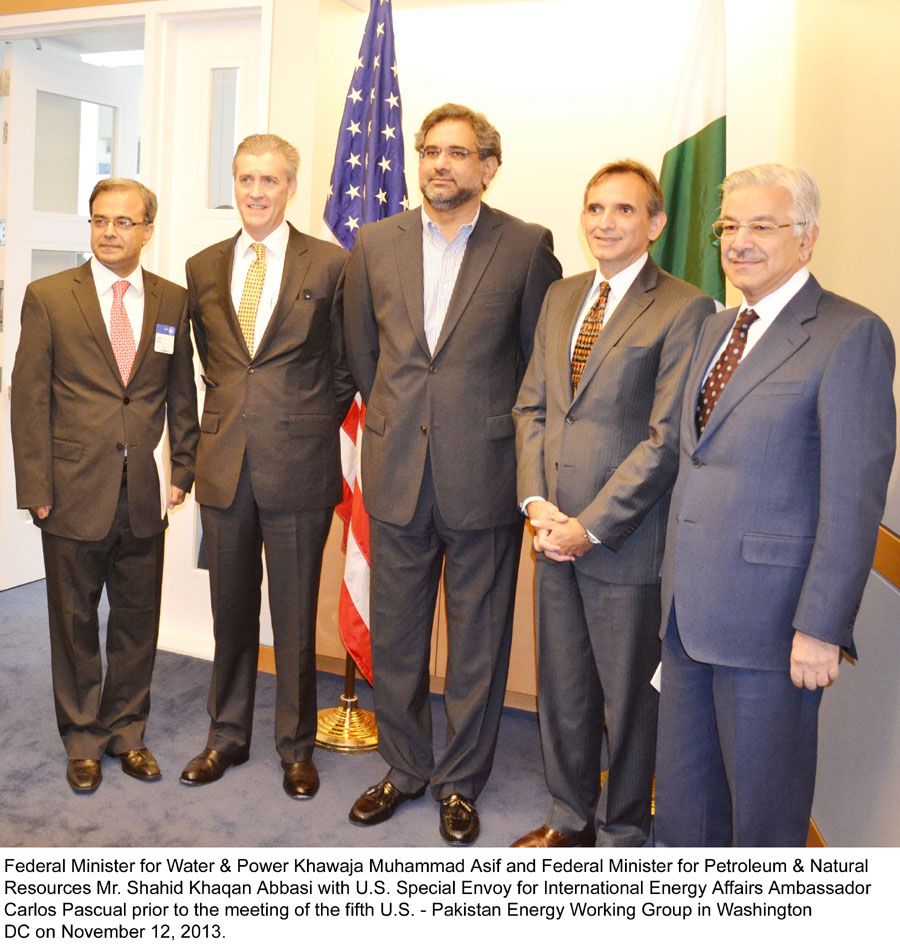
(126, 184)
(797, 181)
(262, 144)
(486, 136)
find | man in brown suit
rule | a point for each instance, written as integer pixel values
(268, 331)
(104, 359)
(597, 436)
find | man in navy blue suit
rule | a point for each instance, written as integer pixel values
(787, 442)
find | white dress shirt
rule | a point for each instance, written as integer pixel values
(133, 300)
(244, 254)
(767, 309)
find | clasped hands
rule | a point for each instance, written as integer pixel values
(559, 537)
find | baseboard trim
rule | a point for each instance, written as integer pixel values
(332, 665)
(887, 555)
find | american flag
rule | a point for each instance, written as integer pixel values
(367, 184)
(367, 181)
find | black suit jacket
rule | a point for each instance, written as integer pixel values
(456, 403)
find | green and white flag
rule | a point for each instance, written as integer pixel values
(694, 159)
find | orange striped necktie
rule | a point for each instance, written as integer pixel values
(587, 335)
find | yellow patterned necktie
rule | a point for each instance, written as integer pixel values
(253, 286)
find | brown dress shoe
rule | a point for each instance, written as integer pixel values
(459, 820)
(301, 780)
(379, 802)
(84, 775)
(209, 766)
(545, 837)
(139, 763)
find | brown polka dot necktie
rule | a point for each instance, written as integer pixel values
(720, 374)
(253, 287)
(121, 335)
(587, 335)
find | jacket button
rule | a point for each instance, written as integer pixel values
(570, 419)
(432, 368)
(251, 371)
(126, 400)
(697, 462)
(120, 447)
(423, 429)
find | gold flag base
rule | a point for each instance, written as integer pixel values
(347, 728)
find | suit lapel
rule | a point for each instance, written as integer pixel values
(408, 248)
(148, 324)
(296, 265)
(714, 331)
(224, 267)
(635, 302)
(565, 326)
(480, 248)
(86, 296)
(777, 344)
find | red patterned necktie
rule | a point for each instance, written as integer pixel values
(120, 333)
(587, 335)
(720, 374)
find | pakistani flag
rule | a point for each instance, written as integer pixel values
(694, 159)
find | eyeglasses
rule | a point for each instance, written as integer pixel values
(122, 224)
(454, 154)
(760, 228)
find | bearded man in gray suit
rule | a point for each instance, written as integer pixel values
(440, 307)
(597, 433)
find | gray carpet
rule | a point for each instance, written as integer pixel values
(247, 807)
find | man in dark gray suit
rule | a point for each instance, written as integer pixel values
(104, 360)
(440, 308)
(596, 425)
(264, 311)
(774, 515)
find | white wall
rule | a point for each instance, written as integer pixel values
(570, 84)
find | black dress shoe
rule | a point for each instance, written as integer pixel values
(459, 820)
(139, 763)
(84, 775)
(209, 766)
(545, 837)
(301, 780)
(378, 803)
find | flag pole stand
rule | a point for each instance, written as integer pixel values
(347, 728)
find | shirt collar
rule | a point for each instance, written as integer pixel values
(769, 306)
(104, 278)
(621, 282)
(276, 242)
(432, 227)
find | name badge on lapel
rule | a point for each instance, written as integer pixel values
(165, 339)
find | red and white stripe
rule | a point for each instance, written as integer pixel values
(353, 610)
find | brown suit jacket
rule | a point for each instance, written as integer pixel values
(283, 406)
(609, 454)
(453, 404)
(72, 417)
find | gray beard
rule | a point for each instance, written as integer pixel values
(451, 201)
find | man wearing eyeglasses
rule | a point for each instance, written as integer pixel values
(440, 309)
(787, 440)
(104, 360)
(597, 432)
